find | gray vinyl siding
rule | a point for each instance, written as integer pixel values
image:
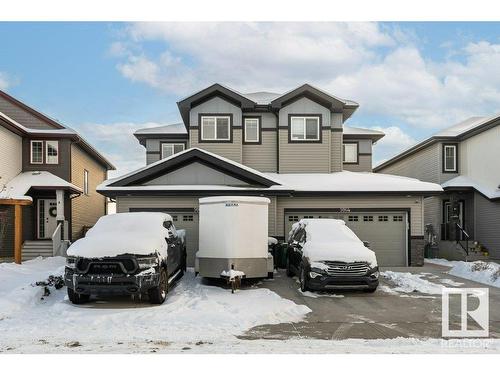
(424, 165)
(364, 164)
(63, 169)
(152, 158)
(215, 105)
(153, 151)
(336, 120)
(304, 106)
(336, 150)
(433, 214)
(269, 120)
(22, 116)
(413, 203)
(262, 157)
(487, 219)
(230, 150)
(304, 157)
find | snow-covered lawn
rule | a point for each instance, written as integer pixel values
(479, 271)
(192, 312)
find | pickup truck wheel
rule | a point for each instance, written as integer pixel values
(289, 272)
(303, 279)
(158, 294)
(77, 298)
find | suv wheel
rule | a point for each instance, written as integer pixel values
(77, 298)
(158, 294)
(289, 272)
(303, 279)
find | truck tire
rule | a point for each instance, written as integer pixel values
(303, 279)
(184, 261)
(157, 295)
(77, 298)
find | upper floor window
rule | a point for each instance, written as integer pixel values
(304, 128)
(350, 153)
(251, 130)
(168, 149)
(44, 152)
(215, 128)
(85, 182)
(36, 153)
(450, 158)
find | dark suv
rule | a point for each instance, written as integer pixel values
(99, 265)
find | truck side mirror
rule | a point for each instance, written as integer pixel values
(366, 243)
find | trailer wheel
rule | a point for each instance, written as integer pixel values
(77, 298)
(157, 295)
(270, 275)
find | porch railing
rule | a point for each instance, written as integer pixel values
(465, 237)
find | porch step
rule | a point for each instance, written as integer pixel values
(35, 249)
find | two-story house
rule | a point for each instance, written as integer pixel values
(465, 160)
(48, 177)
(292, 148)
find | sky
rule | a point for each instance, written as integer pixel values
(107, 80)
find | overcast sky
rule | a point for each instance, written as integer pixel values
(108, 79)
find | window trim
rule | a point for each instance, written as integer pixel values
(173, 144)
(305, 116)
(443, 157)
(259, 130)
(31, 151)
(200, 127)
(86, 179)
(46, 155)
(357, 153)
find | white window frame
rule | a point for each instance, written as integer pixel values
(258, 130)
(344, 160)
(85, 182)
(173, 148)
(47, 157)
(216, 138)
(454, 148)
(305, 118)
(31, 152)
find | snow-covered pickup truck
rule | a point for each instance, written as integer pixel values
(126, 254)
(326, 254)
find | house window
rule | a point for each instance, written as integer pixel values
(450, 158)
(52, 152)
(304, 128)
(252, 130)
(215, 128)
(85, 182)
(168, 149)
(36, 152)
(350, 152)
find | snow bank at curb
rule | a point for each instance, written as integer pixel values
(408, 283)
(479, 271)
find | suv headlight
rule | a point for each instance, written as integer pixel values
(313, 274)
(374, 272)
(71, 262)
(148, 262)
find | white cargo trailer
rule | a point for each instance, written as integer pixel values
(233, 235)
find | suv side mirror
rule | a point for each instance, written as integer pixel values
(366, 243)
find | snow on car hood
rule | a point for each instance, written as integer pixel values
(140, 233)
(330, 239)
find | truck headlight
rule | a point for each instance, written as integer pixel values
(374, 272)
(71, 262)
(148, 262)
(313, 274)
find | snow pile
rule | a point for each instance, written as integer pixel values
(330, 239)
(408, 283)
(232, 274)
(479, 271)
(192, 312)
(140, 233)
(271, 241)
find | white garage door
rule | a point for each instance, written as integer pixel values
(186, 219)
(386, 231)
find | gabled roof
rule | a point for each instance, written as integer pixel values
(347, 107)
(185, 157)
(464, 182)
(456, 133)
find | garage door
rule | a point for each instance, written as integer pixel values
(385, 230)
(186, 219)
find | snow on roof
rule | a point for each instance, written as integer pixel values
(357, 131)
(178, 128)
(222, 199)
(262, 97)
(467, 182)
(347, 181)
(23, 182)
(463, 126)
(139, 233)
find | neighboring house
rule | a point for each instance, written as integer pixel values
(465, 160)
(292, 148)
(48, 180)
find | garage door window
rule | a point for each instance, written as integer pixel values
(397, 218)
(293, 218)
(383, 218)
(368, 218)
(174, 217)
(352, 218)
(187, 217)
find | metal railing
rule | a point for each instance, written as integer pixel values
(466, 238)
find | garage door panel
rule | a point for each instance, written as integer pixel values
(386, 231)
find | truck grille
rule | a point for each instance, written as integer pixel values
(347, 269)
(106, 266)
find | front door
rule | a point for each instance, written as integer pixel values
(447, 214)
(47, 213)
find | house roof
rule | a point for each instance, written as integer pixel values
(177, 128)
(18, 187)
(458, 132)
(464, 182)
(353, 132)
(61, 132)
(264, 183)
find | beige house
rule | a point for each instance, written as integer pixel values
(48, 180)
(292, 148)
